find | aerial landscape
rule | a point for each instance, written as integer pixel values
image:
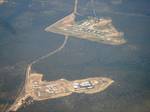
(74, 55)
(37, 89)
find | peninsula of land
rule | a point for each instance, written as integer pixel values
(95, 29)
(36, 90)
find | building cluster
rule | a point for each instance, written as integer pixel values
(51, 88)
(98, 27)
(83, 85)
(46, 89)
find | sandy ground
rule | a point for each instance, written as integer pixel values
(2, 1)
